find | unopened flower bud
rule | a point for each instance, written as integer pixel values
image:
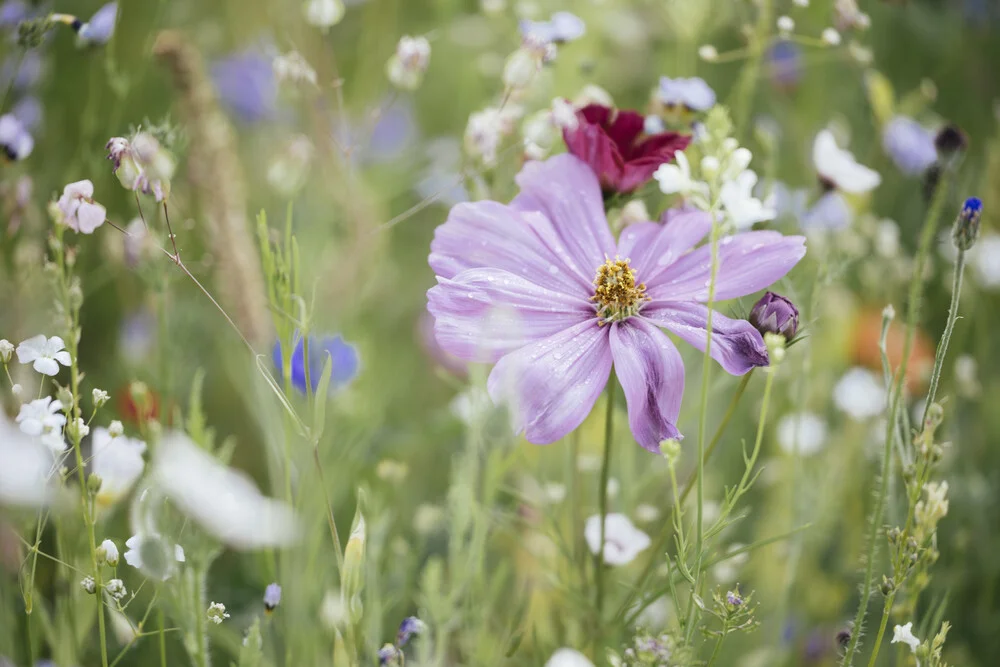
(116, 589)
(775, 314)
(6, 350)
(94, 483)
(64, 395)
(830, 36)
(671, 449)
(520, 69)
(408, 64)
(107, 552)
(966, 229)
(951, 139)
(17, 390)
(708, 53)
(88, 584)
(893, 535)
(217, 612)
(115, 429)
(100, 397)
(888, 585)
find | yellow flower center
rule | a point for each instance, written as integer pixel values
(616, 292)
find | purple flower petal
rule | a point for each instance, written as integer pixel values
(653, 247)
(736, 345)
(567, 192)
(483, 314)
(748, 262)
(551, 385)
(651, 373)
(489, 234)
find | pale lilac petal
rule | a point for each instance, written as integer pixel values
(90, 216)
(46, 366)
(551, 385)
(736, 345)
(487, 234)
(483, 314)
(566, 190)
(748, 262)
(653, 247)
(651, 373)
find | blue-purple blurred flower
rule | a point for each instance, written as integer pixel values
(784, 61)
(272, 597)
(693, 94)
(410, 626)
(909, 144)
(831, 211)
(345, 361)
(28, 110)
(24, 72)
(246, 85)
(101, 26)
(15, 141)
(13, 12)
(562, 27)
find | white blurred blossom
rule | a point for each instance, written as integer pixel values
(118, 461)
(802, 432)
(859, 394)
(408, 64)
(904, 634)
(567, 657)
(26, 475)
(324, 14)
(622, 540)
(838, 166)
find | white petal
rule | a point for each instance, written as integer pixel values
(46, 366)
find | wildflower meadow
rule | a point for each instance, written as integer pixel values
(483, 333)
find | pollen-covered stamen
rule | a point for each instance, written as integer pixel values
(616, 292)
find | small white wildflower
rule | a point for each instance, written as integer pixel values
(292, 67)
(647, 513)
(904, 634)
(78, 210)
(116, 589)
(324, 14)
(863, 21)
(554, 492)
(43, 354)
(117, 460)
(786, 24)
(115, 429)
(831, 36)
(710, 166)
(622, 540)
(928, 512)
(6, 350)
(100, 397)
(486, 130)
(800, 3)
(42, 415)
(676, 178)
(333, 612)
(80, 428)
(564, 114)
(217, 612)
(743, 209)
(88, 584)
(153, 556)
(801, 432)
(588, 463)
(859, 394)
(708, 53)
(838, 166)
(408, 64)
(567, 657)
(108, 553)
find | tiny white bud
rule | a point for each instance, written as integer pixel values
(6, 350)
(17, 390)
(862, 21)
(786, 24)
(100, 397)
(116, 589)
(324, 13)
(520, 69)
(89, 585)
(408, 64)
(709, 167)
(217, 612)
(831, 36)
(115, 429)
(108, 553)
(708, 53)
(81, 428)
(635, 211)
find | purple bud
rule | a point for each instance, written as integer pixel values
(409, 627)
(775, 314)
(733, 599)
(272, 597)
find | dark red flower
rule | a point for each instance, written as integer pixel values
(613, 144)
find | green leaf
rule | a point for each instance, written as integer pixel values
(319, 401)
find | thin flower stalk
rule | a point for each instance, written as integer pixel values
(956, 294)
(927, 236)
(599, 565)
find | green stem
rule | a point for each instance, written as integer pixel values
(603, 495)
(664, 537)
(926, 238)
(886, 610)
(163, 640)
(942, 350)
(715, 651)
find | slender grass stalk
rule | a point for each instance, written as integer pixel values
(916, 283)
(603, 495)
(942, 350)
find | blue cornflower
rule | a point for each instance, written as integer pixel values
(101, 26)
(272, 597)
(784, 61)
(909, 144)
(345, 361)
(410, 626)
(693, 94)
(246, 85)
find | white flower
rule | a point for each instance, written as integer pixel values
(100, 397)
(6, 350)
(802, 432)
(859, 394)
(116, 589)
(408, 64)
(830, 36)
(88, 584)
(567, 657)
(708, 53)
(108, 553)
(554, 492)
(80, 428)
(117, 460)
(43, 353)
(786, 24)
(42, 415)
(622, 540)
(26, 472)
(928, 512)
(743, 208)
(647, 513)
(676, 178)
(217, 612)
(294, 68)
(115, 428)
(564, 114)
(985, 260)
(904, 634)
(839, 167)
(153, 556)
(485, 131)
(79, 210)
(324, 14)
(222, 500)
(800, 3)
(333, 611)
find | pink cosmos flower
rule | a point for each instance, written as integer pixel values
(516, 286)
(79, 210)
(613, 143)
